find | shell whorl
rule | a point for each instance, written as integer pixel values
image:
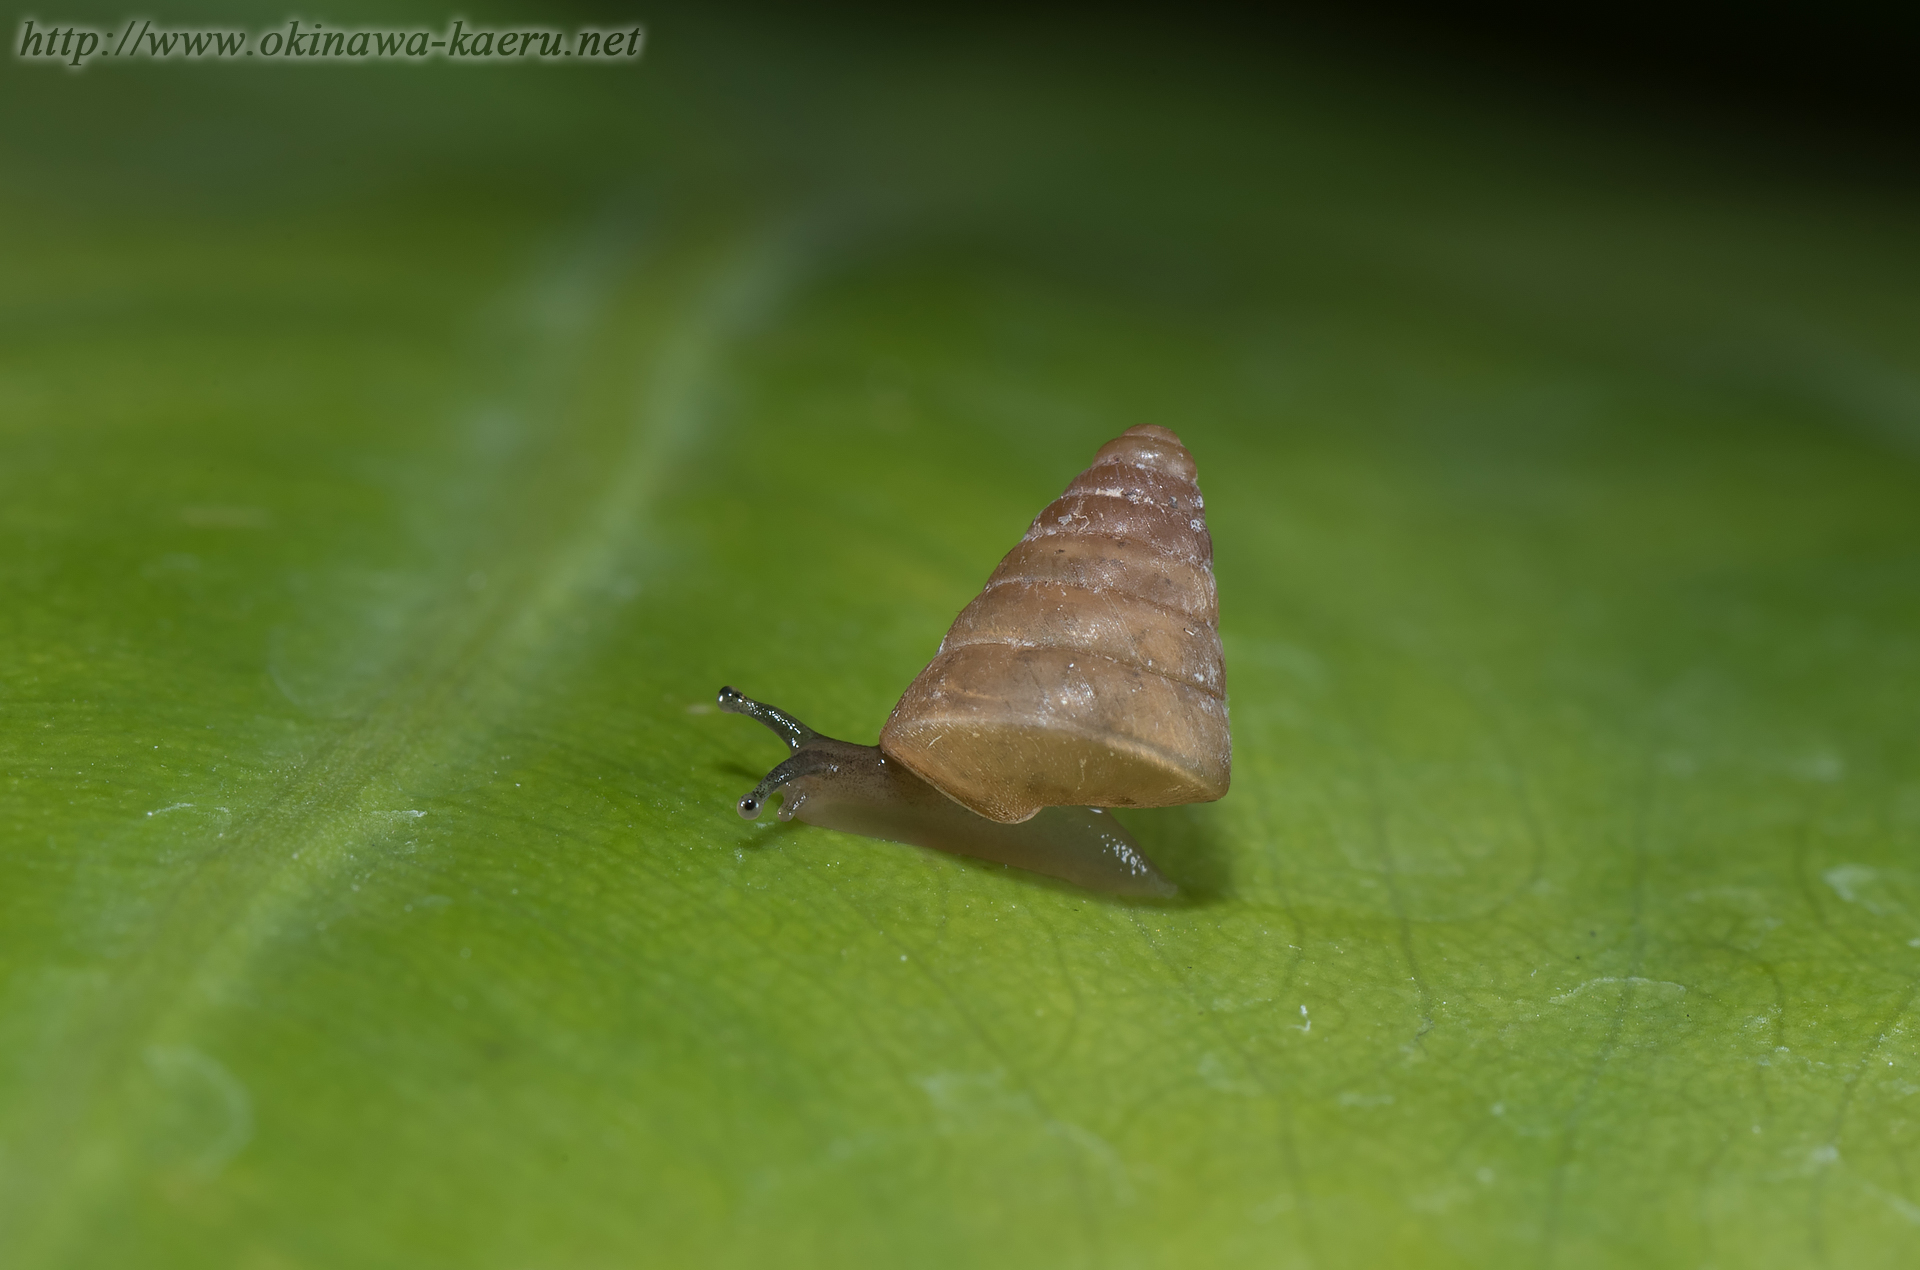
(1088, 672)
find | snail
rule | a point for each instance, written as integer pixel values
(1086, 675)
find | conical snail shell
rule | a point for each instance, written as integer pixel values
(1088, 672)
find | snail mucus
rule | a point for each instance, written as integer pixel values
(1086, 675)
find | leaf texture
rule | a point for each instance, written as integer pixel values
(393, 464)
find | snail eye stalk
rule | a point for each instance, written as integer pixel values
(791, 730)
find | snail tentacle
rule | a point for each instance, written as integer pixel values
(791, 730)
(782, 780)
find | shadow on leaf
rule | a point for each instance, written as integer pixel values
(1186, 843)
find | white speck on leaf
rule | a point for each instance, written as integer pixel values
(1663, 987)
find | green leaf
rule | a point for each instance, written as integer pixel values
(393, 462)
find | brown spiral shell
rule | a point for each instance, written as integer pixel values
(1088, 671)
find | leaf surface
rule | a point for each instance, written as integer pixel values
(394, 463)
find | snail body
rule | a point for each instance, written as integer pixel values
(1087, 674)
(858, 789)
